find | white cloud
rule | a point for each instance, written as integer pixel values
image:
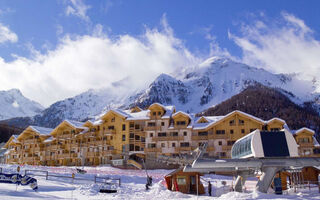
(96, 61)
(79, 9)
(6, 35)
(287, 46)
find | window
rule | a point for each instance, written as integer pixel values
(181, 123)
(303, 140)
(173, 144)
(154, 113)
(231, 131)
(123, 137)
(220, 143)
(152, 145)
(275, 129)
(131, 135)
(184, 144)
(181, 180)
(162, 134)
(232, 123)
(162, 123)
(143, 139)
(174, 134)
(110, 127)
(185, 133)
(163, 145)
(242, 130)
(137, 137)
(131, 125)
(137, 126)
(203, 133)
(230, 143)
(151, 124)
(123, 127)
(151, 134)
(220, 132)
(241, 122)
(113, 119)
(159, 113)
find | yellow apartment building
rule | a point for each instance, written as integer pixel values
(127, 134)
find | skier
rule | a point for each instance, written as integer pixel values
(209, 188)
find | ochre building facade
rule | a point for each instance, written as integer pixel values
(123, 134)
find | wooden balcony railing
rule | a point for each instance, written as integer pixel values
(168, 138)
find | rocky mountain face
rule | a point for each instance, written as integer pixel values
(14, 104)
(266, 103)
(216, 80)
(207, 85)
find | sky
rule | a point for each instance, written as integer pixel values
(52, 50)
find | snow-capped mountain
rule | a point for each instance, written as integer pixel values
(14, 104)
(204, 86)
(216, 80)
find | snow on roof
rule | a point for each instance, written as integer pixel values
(246, 114)
(75, 124)
(181, 112)
(169, 110)
(158, 104)
(50, 139)
(211, 120)
(301, 129)
(275, 118)
(315, 142)
(41, 130)
(141, 115)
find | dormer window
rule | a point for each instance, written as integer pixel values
(154, 113)
(159, 113)
(113, 119)
(181, 123)
(232, 123)
(241, 122)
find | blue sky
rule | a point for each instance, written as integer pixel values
(63, 44)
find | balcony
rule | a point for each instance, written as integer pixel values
(306, 144)
(226, 148)
(93, 154)
(167, 138)
(199, 137)
(152, 128)
(152, 150)
(218, 136)
(110, 132)
(210, 149)
(183, 148)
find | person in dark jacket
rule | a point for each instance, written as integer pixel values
(209, 188)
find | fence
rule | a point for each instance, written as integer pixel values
(96, 179)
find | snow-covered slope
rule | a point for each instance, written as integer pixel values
(14, 104)
(216, 80)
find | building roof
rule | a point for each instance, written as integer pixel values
(41, 130)
(315, 142)
(275, 118)
(181, 112)
(302, 129)
(211, 120)
(75, 124)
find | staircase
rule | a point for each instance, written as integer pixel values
(134, 163)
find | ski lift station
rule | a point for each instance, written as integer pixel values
(259, 153)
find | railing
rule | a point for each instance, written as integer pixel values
(183, 148)
(110, 132)
(199, 137)
(168, 138)
(151, 128)
(152, 150)
(226, 148)
(73, 177)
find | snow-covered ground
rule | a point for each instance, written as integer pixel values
(132, 186)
